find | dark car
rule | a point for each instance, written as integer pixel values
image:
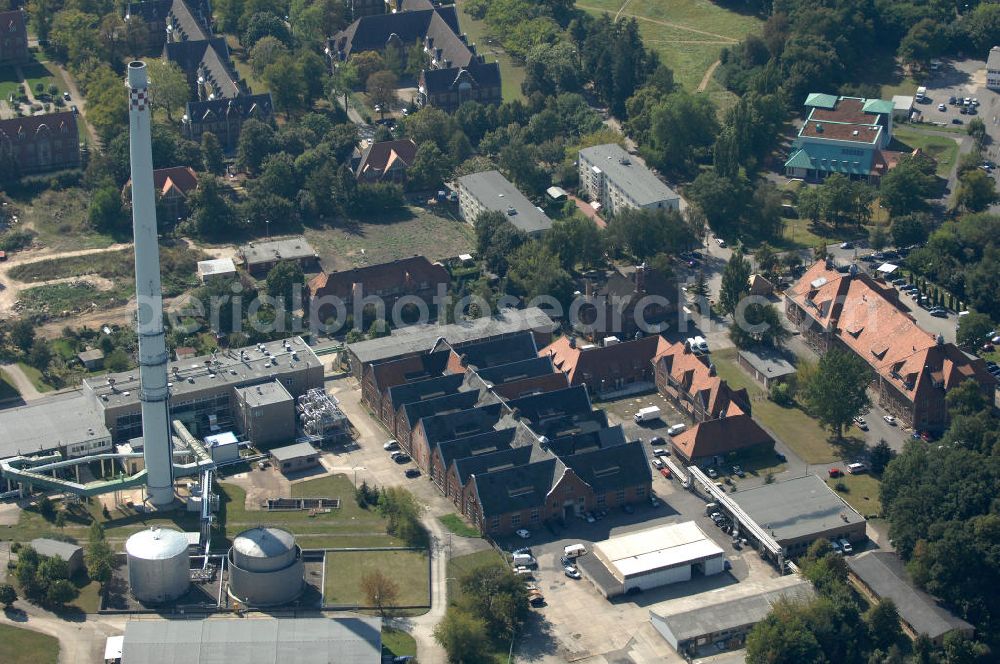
(412, 472)
(401, 458)
(957, 121)
(656, 441)
(939, 313)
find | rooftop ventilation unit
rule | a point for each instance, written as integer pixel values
(819, 128)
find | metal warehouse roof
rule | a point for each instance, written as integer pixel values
(254, 641)
(709, 613)
(796, 508)
(657, 548)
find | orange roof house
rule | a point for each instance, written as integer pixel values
(913, 368)
(618, 367)
(173, 187)
(717, 438)
(386, 161)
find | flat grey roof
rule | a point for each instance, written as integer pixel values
(44, 425)
(216, 266)
(92, 354)
(265, 394)
(417, 338)
(716, 612)
(295, 451)
(768, 361)
(288, 248)
(628, 173)
(796, 508)
(993, 60)
(254, 640)
(495, 192)
(230, 367)
(54, 548)
(883, 572)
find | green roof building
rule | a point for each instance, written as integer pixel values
(842, 135)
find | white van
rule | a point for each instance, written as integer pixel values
(574, 550)
(646, 414)
(676, 429)
(856, 468)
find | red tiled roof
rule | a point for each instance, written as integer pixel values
(720, 437)
(618, 359)
(697, 378)
(868, 317)
(182, 178)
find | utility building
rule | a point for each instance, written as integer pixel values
(293, 458)
(266, 413)
(652, 558)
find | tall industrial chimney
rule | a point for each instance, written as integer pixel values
(157, 452)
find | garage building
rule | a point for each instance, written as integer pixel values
(723, 618)
(293, 458)
(651, 558)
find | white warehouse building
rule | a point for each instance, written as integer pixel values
(615, 180)
(651, 558)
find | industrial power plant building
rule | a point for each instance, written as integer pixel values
(354, 639)
(651, 558)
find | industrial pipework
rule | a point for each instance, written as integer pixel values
(154, 391)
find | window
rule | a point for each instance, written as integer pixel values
(640, 492)
(601, 500)
(620, 495)
(535, 516)
(515, 520)
(495, 523)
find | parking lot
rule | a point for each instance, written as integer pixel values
(585, 624)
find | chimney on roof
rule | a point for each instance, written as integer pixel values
(819, 128)
(711, 370)
(463, 360)
(687, 347)
(572, 341)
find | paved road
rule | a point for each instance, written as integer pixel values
(81, 103)
(21, 382)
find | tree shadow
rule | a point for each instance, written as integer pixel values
(15, 614)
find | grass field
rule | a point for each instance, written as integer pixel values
(24, 646)
(793, 426)
(39, 72)
(398, 643)
(511, 73)
(35, 376)
(414, 231)
(53, 301)
(455, 524)
(344, 570)
(60, 219)
(942, 148)
(688, 34)
(462, 565)
(862, 493)
(7, 389)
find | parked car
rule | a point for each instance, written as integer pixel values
(952, 100)
(66, 96)
(846, 546)
(846, 245)
(861, 424)
(941, 107)
(401, 458)
(738, 471)
(957, 121)
(393, 444)
(412, 472)
(713, 473)
(656, 441)
(889, 419)
(835, 545)
(722, 243)
(660, 452)
(524, 551)
(939, 313)
(656, 463)
(523, 533)
(834, 473)
(572, 572)
(666, 472)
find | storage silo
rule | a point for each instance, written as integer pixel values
(265, 567)
(158, 565)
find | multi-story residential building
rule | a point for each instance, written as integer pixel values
(847, 135)
(448, 88)
(40, 143)
(491, 191)
(13, 38)
(993, 69)
(614, 180)
(912, 368)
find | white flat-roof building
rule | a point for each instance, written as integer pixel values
(616, 180)
(651, 558)
(216, 268)
(993, 69)
(491, 191)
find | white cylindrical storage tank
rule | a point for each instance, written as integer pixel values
(265, 567)
(158, 565)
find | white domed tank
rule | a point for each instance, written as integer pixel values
(158, 565)
(265, 567)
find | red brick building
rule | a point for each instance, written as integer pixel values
(691, 384)
(913, 369)
(40, 143)
(606, 370)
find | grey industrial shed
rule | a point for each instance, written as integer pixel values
(295, 457)
(71, 553)
(357, 640)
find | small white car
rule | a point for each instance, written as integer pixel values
(571, 572)
(722, 243)
(393, 444)
(889, 419)
(522, 533)
(657, 463)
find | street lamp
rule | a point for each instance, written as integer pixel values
(267, 228)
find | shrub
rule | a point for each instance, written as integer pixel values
(781, 394)
(842, 488)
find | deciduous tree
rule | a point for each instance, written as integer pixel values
(379, 590)
(838, 392)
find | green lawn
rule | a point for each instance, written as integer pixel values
(455, 524)
(7, 389)
(24, 646)
(415, 230)
(942, 148)
(35, 376)
(862, 493)
(8, 82)
(344, 570)
(44, 73)
(462, 565)
(511, 73)
(54, 301)
(397, 643)
(688, 34)
(794, 427)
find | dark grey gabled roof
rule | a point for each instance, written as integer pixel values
(588, 441)
(517, 488)
(485, 443)
(462, 423)
(611, 468)
(538, 408)
(246, 106)
(428, 26)
(444, 405)
(485, 354)
(424, 390)
(516, 370)
(494, 461)
(479, 74)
